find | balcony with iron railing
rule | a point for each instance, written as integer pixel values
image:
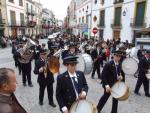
(31, 23)
(30, 12)
(137, 24)
(14, 24)
(2, 22)
(116, 25)
(118, 1)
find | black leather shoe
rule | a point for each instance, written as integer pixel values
(52, 104)
(30, 85)
(147, 95)
(41, 103)
(137, 93)
(24, 84)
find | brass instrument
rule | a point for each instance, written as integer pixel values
(53, 62)
(25, 52)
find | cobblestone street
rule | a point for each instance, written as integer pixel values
(28, 97)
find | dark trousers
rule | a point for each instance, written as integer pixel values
(49, 91)
(103, 101)
(96, 68)
(143, 81)
(26, 73)
(19, 68)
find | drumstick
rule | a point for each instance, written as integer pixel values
(77, 105)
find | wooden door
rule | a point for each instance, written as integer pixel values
(116, 35)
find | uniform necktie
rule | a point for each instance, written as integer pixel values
(117, 70)
(75, 84)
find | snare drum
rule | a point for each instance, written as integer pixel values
(83, 106)
(120, 91)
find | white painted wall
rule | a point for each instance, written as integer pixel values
(18, 9)
(95, 12)
(80, 13)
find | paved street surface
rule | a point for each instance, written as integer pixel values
(28, 97)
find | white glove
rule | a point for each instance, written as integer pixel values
(41, 70)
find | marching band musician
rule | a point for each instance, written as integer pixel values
(71, 85)
(45, 78)
(71, 50)
(110, 75)
(140, 52)
(37, 50)
(25, 66)
(144, 65)
(97, 59)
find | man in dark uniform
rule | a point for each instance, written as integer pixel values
(110, 75)
(140, 52)
(71, 85)
(37, 50)
(144, 65)
(25, 62)
(71, 50)
(97, 59)
(45, 78)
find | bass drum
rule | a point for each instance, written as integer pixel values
(120, 91)
(83, 106)
(129, 66)
(85, 63)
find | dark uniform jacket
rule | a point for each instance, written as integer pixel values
(9, 104)
(49, 79)
(95, 54)
(37, 50)
(109, 74)
(144, 65)
(65, 93)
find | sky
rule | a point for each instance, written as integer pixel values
(59, 7)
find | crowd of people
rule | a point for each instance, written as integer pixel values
(72, 85)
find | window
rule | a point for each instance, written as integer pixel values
(79, 20)
(12, 1)
(95, 1)
(102, 18)
(20, 2)
(117, 21)
(101, 33)
(118, 1)
(83, 9)
(0, 16)
(83, 19)
(13, 18)
(102, 1)
(87, 7)
(21, 18)
(140, 12)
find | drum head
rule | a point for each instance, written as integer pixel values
(85, 63)
(148, 75)
(129, 66)
(82, 106)
(119, 90)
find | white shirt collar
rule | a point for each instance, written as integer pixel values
(72, 75)
(116, 63)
